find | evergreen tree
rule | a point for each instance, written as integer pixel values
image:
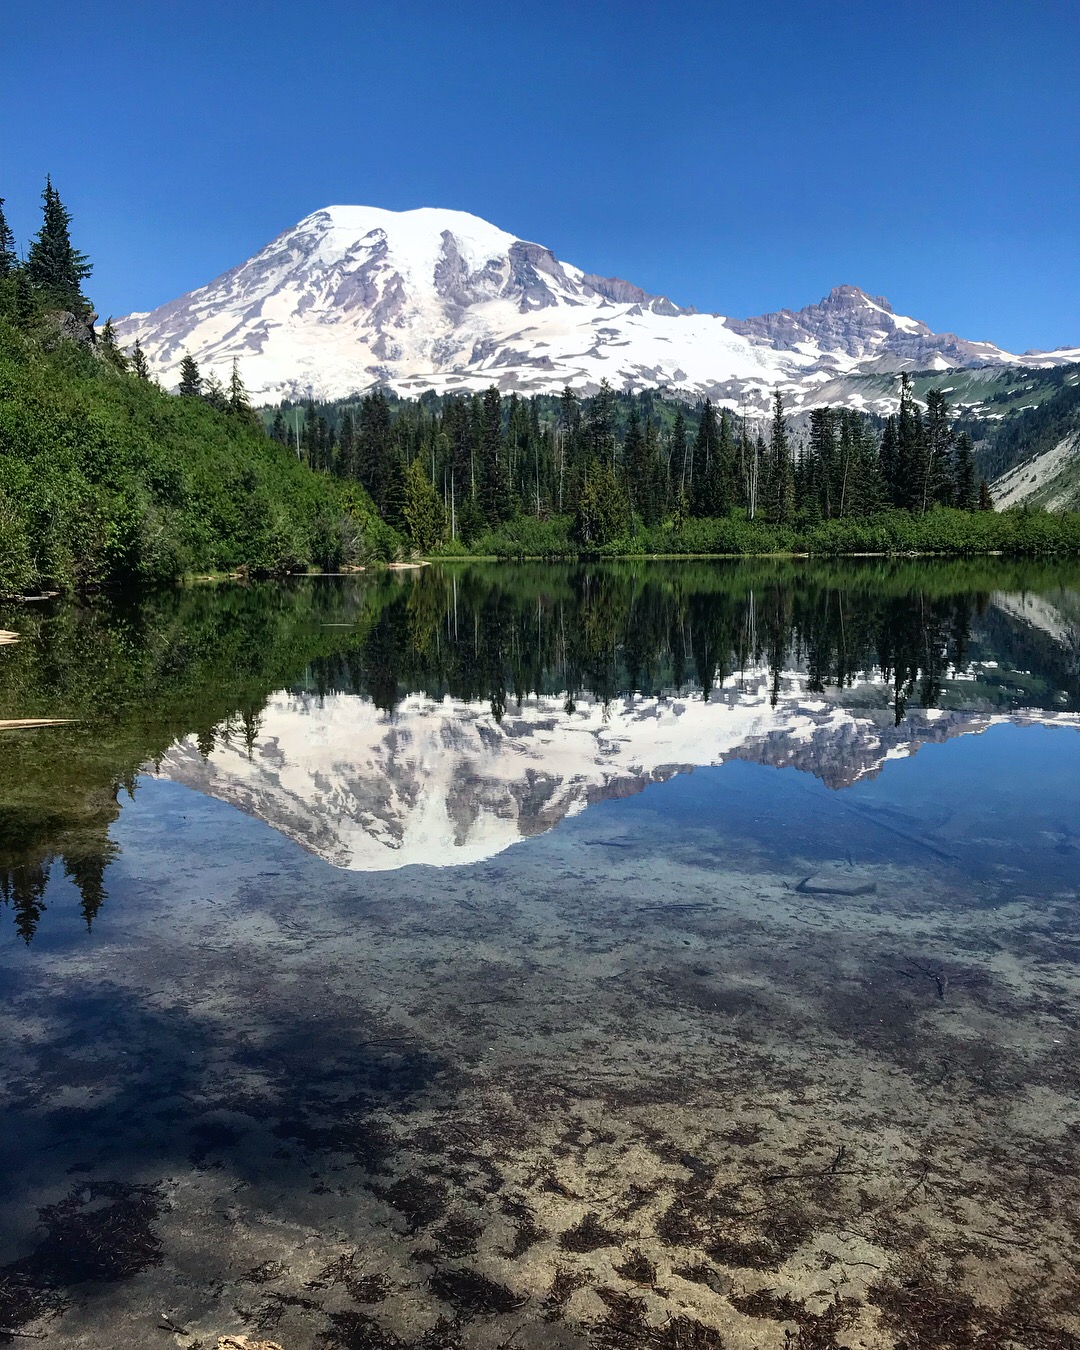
(493, 489)
(822, 465)
(967, 495)
(602, 425)
(422, 511)
(909, 448)
(781, 480)
(889, 460)
(346, 462)
(678, 465)
(109, 348)
(638, 478)
(726, 477)
(602, 512)
(138, 361)
(213, 391)
(706, 495)
(54, 268)
(654, 495)
(374, 453)
(934, 478)
(9, 259)
(238, 398)
(279, 431)
(190, 378)
(986, 501)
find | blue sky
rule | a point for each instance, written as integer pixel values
(740, 158)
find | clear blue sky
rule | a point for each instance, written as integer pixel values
(740, 157)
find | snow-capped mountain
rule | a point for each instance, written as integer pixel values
(356, 296)
(443, 783)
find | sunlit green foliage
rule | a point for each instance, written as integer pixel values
(105, 478)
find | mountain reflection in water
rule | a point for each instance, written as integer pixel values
(439, 716)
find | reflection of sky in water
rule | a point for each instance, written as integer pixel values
(997, 809)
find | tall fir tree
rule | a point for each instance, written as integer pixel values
(705, 490)
(964, 476)
(909, 447)
(781, 479)
(9, 259)
(213, 391)
(54, 268)
(602, 425)
(678, 455)
(934, 481)
(109, 348)
(138, 361)
(239, 404)
(346, 462)
(494, 485)
(422, 510)
(888, 458)
(190, 377)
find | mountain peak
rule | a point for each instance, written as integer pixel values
(433, 298)
(855, 296)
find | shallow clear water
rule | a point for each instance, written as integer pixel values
(669, 955)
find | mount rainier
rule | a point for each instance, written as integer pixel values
(354, 297)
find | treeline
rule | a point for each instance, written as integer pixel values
(105, 478)
(1037, 429)
(460, 467)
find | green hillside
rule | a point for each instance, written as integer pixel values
(105, 478)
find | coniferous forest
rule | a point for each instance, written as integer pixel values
(106, 478)
(624, 473)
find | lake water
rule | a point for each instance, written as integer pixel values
(682, 956)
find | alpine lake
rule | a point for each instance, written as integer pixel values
(667, 955)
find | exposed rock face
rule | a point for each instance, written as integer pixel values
(74, 327)
(865, 328)
(428, 299)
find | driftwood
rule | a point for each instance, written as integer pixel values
(812, 885)
(25, 723)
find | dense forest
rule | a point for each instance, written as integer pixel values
(454, 467)
(623, 474)
(105, 478)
